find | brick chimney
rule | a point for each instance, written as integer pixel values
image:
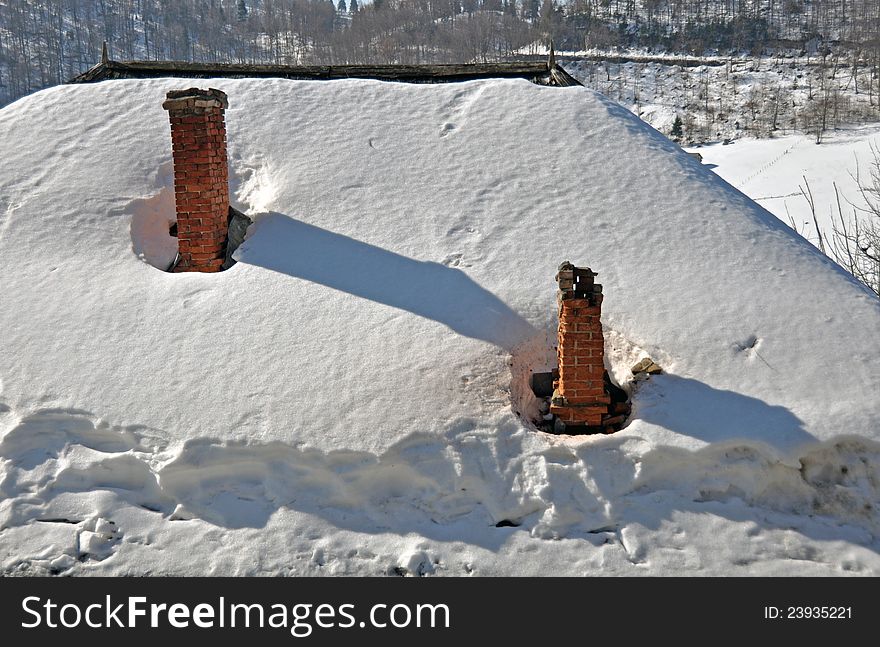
(580, 397)
(198, 137)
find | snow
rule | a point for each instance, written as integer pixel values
(731, 97)
(346, 398)
(772, 172)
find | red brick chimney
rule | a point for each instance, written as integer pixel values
(198, 137)
(580, 397)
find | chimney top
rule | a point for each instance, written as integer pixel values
(195, 98)
(201, 174)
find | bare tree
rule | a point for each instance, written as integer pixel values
(807, 192)
(855, 245)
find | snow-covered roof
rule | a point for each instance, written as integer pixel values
(373, 343)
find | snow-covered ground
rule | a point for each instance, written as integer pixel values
(351, 396)
(773, 171)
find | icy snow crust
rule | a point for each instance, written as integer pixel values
(351, 397)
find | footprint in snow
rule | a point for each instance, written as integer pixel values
(446, 129)
(749, 346)
(452, 260)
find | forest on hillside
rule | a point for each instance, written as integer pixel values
(45, 42)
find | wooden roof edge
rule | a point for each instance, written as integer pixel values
(563, 78)
(535, 70)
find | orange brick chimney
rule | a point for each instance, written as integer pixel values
(198, 137)
(580, 397)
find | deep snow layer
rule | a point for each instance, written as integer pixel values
(346, 398)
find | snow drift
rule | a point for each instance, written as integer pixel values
(351, 397)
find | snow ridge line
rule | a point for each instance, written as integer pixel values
(837, 479)
(57, 462)
(53, 453)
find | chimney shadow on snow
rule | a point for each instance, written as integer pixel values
(430, 290)
(692, 408)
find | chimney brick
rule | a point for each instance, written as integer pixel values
(201, 174)
(580, 397)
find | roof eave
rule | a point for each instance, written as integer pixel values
(536, 72)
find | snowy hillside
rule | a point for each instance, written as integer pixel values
(351, 396)
(734, 97)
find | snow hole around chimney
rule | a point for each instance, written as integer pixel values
(154, 219)
(538, 355)
(252, 189)
(151, 221)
